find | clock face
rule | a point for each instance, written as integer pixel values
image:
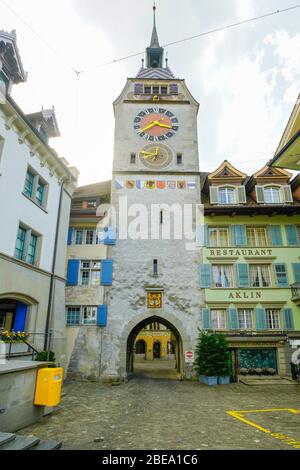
(156, 124)
(156, 156)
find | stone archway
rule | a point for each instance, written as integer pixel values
(176, 328)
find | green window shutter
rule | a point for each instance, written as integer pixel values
(205, 276)
(281, 275)
(291, 235)
(296, 269)
(233, 319)
(214, 195)
(206, 319)
(202, 235)
(260, 196)
(275, 235)
(239, 235)
(241, 195)
(261, 320)
(286, 194)
(288, 319)
(242, 274)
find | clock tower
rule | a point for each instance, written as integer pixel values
(155, 191)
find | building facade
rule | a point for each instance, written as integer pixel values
(251, 261)
(36, 187)
(154, 342)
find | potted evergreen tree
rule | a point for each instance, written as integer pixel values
(212, 361)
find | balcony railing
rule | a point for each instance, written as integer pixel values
(295, 292)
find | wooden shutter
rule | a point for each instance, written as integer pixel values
(239, 235)
(288, 319)
(102, 316)
(261, 319)
(174, 89)
(291, 235)
(70, 236)
(243, 274)
(286, 194)
(106, 272)
(138, 89)
(260, 196)
(281, 275)
(275, 235)
(202, 236)
(296, 269)
(205, 276)
(233, 319)
(241, 195)
(73, 272)
(206, 319)
(20, 317)
(214, 194)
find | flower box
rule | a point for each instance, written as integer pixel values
(204, 379)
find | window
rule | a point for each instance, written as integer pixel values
(27, 245)
(260, 275)
(89, 315)
(85, 315)
(90, 237)
(257, 236)
(148, 90)
(132, 158)
(161, 217)
(78, 237)
(272, 195)
(20, 245)
(87, 236)
(73, 315)
(227, 196)
(273, 319)
(222, 276)
(90, 272)
(245, 319)
(155, 90)
(90, 204)
(218, 236)
(179, 159)
(155, 267)
(35, 188)
(163, 90)
(218, 319)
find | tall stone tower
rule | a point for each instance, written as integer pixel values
(155, 180)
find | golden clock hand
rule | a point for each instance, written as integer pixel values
(164, 125)
(152, 124)
(147, 153)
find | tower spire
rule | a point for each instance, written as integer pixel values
(154, 51)
(154, 38)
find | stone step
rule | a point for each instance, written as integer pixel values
(47, 445)
(6, 437)
(21, 443)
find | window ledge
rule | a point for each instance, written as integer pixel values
(35, 203)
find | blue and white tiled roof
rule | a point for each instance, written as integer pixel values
(156, 73)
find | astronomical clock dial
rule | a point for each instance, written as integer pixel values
(156, 124)
(156, 156)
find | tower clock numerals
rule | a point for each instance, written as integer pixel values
(156, 124)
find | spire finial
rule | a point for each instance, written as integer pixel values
(154, 14)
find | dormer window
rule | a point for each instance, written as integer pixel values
(226, 195)
(274, 194)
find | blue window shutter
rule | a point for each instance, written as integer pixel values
(243, 274)
(261, 320)
(275, 235)
(110, 236)
(291, 235)
(239, 235)
(296, 269)
(70, 236)
(106, 272)
(20, 317)
(102, 316)
(233, 319)
(281, 275)
(138, 89)
(206, 319)
(73, 272)
(174, 89)
(288, 319)
(205, 276)
(202, 236)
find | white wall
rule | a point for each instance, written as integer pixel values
(15, 207)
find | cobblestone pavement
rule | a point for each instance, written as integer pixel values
(156, 369)
(170, 415)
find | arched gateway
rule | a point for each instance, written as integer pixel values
(140, 326)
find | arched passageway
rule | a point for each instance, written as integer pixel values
(154, 350)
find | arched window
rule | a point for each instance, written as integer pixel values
(272, 195)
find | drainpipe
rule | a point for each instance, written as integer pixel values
(49, 309)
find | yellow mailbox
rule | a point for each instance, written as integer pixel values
(48, 387)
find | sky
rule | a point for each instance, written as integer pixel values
(246, 78)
